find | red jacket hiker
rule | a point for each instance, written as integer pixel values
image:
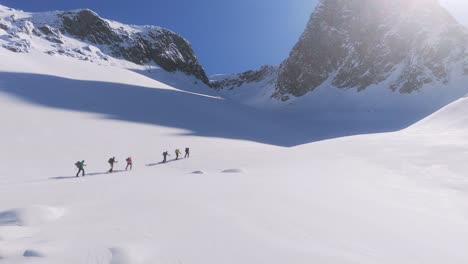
(129, 163)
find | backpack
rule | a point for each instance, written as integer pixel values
(78, 164)
(110, 161)
(187, 150)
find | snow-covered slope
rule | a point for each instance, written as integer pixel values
(241, 197)
(388, 198)
(248, 194)
(452, 118)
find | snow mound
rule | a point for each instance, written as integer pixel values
(134, 254)
(233, 171)
(30, 253)
(31, 216)
(7, 218)
(119, 256)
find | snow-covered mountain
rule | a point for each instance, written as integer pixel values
(356, 44)
(355, 53)
(84, 35)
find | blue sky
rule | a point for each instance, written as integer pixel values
(228, 36)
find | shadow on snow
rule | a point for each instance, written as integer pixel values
(198, 115)
(86, 175)
(162, 163)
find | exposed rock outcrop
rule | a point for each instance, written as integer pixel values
(359, 43)
(138, 44)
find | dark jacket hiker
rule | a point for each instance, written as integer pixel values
(165, 154)
(80, 165)
(112, 161)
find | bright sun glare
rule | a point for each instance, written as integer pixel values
(459, 8)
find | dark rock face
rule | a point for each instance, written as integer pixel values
(86, 24)
(168, 50)
(18, 47)
(358, 43)
(138, 44)
(51, 34)
(245, 77)
(164, 47)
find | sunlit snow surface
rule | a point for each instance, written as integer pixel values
(259, 187)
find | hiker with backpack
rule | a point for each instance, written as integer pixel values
(129, 163)
(112, 161)
(187, 153)
(165, 154)
(177, 153)
(80, 165)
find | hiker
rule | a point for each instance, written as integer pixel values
(187, 153)
(177, 153)
(80, 165)
(129, 163)
(111, 162)
(165, 154)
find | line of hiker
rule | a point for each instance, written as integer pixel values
(177, 153)
(112, 161)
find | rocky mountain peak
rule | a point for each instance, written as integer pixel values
(360, 43)
(86, 24)
(137, 44)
